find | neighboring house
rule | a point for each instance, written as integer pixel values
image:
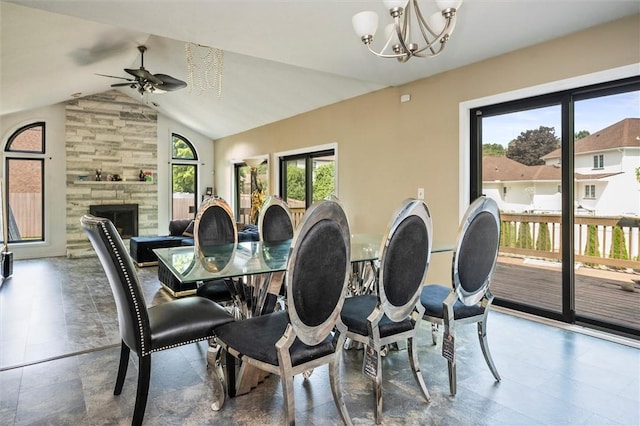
(605, 176)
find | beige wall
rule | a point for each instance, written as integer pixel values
(386, 150)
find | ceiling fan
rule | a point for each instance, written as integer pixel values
(145, 82)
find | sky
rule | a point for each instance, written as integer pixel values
(592, 115)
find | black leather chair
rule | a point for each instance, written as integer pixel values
(145, 331)
(214, 225)
(310, 333)
(468, 299)
(394, 314)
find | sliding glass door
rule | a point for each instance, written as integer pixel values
(565, 171)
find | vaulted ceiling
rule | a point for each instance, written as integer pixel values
(281, 57)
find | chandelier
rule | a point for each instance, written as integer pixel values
(402, 38)
(204, 68)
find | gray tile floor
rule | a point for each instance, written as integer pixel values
(51, 307)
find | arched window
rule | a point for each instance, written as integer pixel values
(24, 186)
(184, 178)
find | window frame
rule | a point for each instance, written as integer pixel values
(589, 192)
(26, 155)
(181, 161)
(598, 162)
(620, 80)
(308, 157)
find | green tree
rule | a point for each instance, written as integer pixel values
(181, 149)
(581, 134)
(618, 245)
(524, 236)
(295, 183)
(493, 150)
(532, 145)
(508, 234)
(593, 245)
(323, 181)
(184, 178)
(543, 242)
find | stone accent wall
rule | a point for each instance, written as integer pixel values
(118, 134)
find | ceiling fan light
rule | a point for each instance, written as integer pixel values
(365, 23)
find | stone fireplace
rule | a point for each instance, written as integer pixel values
(123, 216)
(117, 135)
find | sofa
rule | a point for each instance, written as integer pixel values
(180, 234)
(141, 248)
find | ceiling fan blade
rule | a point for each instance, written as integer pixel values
(170, 83)
(114, 76)
(143, 74)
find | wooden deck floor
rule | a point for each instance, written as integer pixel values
(599, 294)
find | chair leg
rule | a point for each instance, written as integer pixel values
(452, 377)
(218, 387)
(336, 388)
(287, 393)
(230, 374)
(415, 367)
(482, 336)
(377, 388)
(434, 333)
(144, 375)
(122, 368)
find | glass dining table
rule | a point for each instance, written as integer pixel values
(247, 258)
(254, 272)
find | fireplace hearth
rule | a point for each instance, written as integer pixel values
(123, 216)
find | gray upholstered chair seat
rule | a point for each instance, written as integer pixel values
(356, 310)
(434, 295)
(257, 337)
(184, 320)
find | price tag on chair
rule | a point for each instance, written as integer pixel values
(448, 347)
(370, 364)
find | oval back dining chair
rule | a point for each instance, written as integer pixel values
(214, 225)
(394, 314)
(468, 299)
(275, 224)
(274, 220)
(310, 333)
(147, 330)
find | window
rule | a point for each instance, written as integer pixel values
(309, 177)
(598, 161)
(184, 178)
(24, 170)
(557, 137)
(590, 191)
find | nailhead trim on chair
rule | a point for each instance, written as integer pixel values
(180, 344)
(129, 284)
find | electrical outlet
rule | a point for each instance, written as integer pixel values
(420, 193)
